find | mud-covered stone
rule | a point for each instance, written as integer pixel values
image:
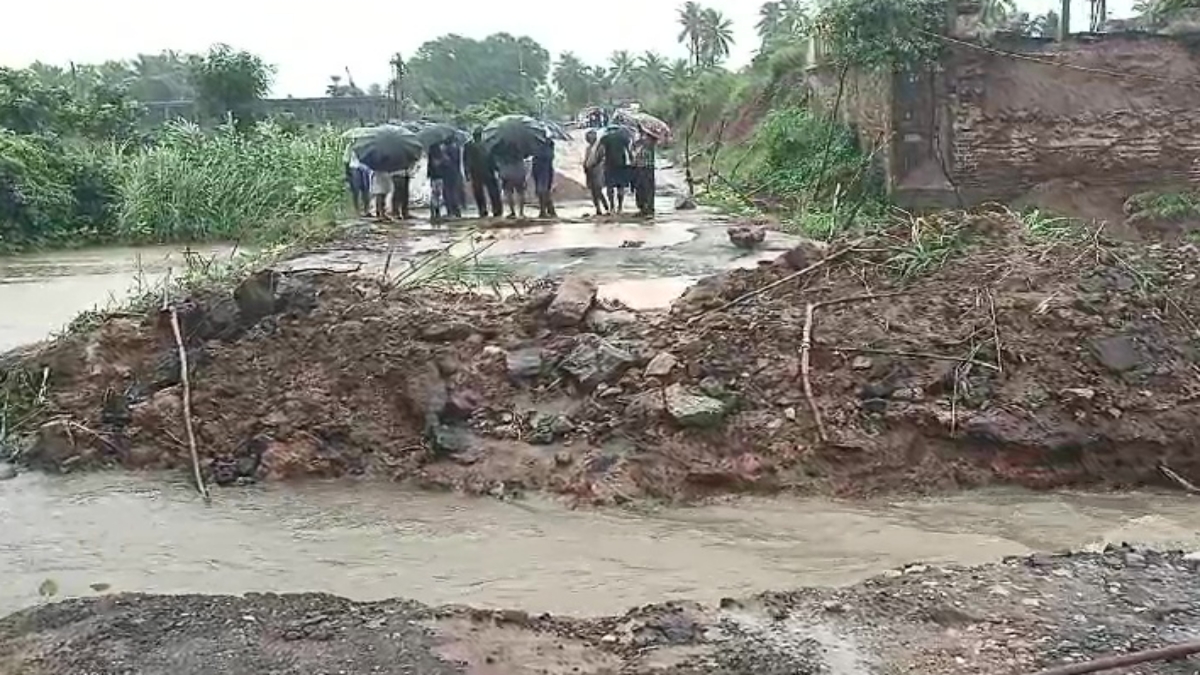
(1119, 353)
(53, 445)
(594, 361)
(447, 331)
(693, 410)
(746, 236)
(571, 303)
(605, 321)
(7, 471)
(524, 363)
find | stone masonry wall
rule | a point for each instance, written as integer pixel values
(866, 105)
(1016, 124)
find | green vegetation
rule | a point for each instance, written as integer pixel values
(76, 170)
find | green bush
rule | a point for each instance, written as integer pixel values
(186, 184)
(804, 157)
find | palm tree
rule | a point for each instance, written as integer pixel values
(770, 18)
(691, 18)
(678, 71)
(573, 78)
(622, 65)
(716, 36)
(794, 20)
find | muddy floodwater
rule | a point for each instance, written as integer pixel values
(374, 540)
(41, 293)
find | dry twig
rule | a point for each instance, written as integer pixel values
(187, 404)
(1182, 482)
(810, 311)
(995, 332)
(1169, 653)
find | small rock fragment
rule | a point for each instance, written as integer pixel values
(693, 410)
(861, 363)
(1082, 394)
(685, 203)
(595, 361)
(746, 236)
(661, 365)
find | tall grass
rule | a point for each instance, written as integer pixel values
(184, 184)
(193, 185)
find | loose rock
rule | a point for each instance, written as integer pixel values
(595, 361)
(661, 365)
(571, 303)
(524, 363)
(746, 236)
(693, 410)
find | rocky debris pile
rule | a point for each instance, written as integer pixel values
(1016, 360)
(1017, 616)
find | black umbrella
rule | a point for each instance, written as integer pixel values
(438, 132)
(388, 148)
(518, 134)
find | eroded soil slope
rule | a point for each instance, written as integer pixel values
(977, 354)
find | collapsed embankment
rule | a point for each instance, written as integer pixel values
(1013, 617)
(967, 353)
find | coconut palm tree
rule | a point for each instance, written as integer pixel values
(716, 36)
(691, 18)
(622, 65)
(770, 18)
(678, 71)
(573, 79)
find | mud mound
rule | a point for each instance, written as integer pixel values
(1017, 616)
(1003, 358)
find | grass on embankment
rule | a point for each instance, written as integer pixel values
(184, 184)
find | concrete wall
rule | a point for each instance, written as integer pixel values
(866, 104)
(1014, 124)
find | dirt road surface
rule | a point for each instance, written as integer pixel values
(1013, 617)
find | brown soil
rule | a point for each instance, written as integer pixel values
(1014, 617)
(1094, 381)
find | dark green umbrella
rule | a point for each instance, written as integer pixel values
(439, 132)
(388, 148)
(520, 134)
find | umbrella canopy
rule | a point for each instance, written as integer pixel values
(388, 148)
(358, 132)
(519, 134)
(438, 132)
(647, 123)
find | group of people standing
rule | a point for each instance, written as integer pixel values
(616, 162)
(492, 173)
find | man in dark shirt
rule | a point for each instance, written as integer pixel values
(436, 170)
(481, 170)
(455, 192)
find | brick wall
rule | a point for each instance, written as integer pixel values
(1015, 124)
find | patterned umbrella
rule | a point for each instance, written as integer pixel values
(651, 125)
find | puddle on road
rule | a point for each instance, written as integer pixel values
(644, 294)
(50, 289)
(375, 540)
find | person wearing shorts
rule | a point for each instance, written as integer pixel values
(358, 179)
(381, 187)
(513, 182)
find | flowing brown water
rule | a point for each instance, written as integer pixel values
(374, 540)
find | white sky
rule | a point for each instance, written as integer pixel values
(309, 41)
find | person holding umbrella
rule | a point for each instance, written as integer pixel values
(401, 193)
(481, 170)
(437, 166)
(615, 149)
(381, 187)
(454, 190)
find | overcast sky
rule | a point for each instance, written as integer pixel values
(309, 41)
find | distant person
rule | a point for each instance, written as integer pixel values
(435, 169)
(455, 190)
(616, 168)
(642, 173)
(481, 170)
(402, 193)
(513, 179)
(593, 171)
(543, 179)
(381, 186)
(358, 179)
